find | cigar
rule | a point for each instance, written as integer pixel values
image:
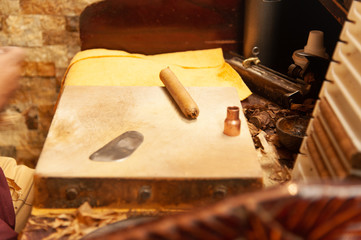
(180, 95)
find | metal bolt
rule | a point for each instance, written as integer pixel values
(220, 191)
(255, 51)
(71, 193)
(145, 192)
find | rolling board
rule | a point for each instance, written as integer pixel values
(180, 164)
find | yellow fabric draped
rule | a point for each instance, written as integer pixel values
(200, 68)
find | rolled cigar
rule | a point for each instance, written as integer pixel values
(179, 93)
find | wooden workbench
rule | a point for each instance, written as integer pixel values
(182, 161)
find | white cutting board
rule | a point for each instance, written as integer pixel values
(88, 117)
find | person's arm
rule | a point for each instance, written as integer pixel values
(11, 60)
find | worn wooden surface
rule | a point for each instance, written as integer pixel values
(89, 117)
(174, 147)
(155, 26)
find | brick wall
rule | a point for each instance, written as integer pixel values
(49, 32)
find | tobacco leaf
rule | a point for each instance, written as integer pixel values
(16, 193)
(72, 226)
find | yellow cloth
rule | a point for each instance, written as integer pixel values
(101, 67)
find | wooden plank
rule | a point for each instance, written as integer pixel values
(345, 143)
(329, 150)
(317, 159)
(154, 26)
(338, 11)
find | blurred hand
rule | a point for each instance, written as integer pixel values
(11, 60)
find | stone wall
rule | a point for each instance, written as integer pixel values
(49, 32)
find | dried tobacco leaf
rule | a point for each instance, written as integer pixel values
(72, 226)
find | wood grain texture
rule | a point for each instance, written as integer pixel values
(156, 26)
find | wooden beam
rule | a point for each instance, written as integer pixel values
(338, 11)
